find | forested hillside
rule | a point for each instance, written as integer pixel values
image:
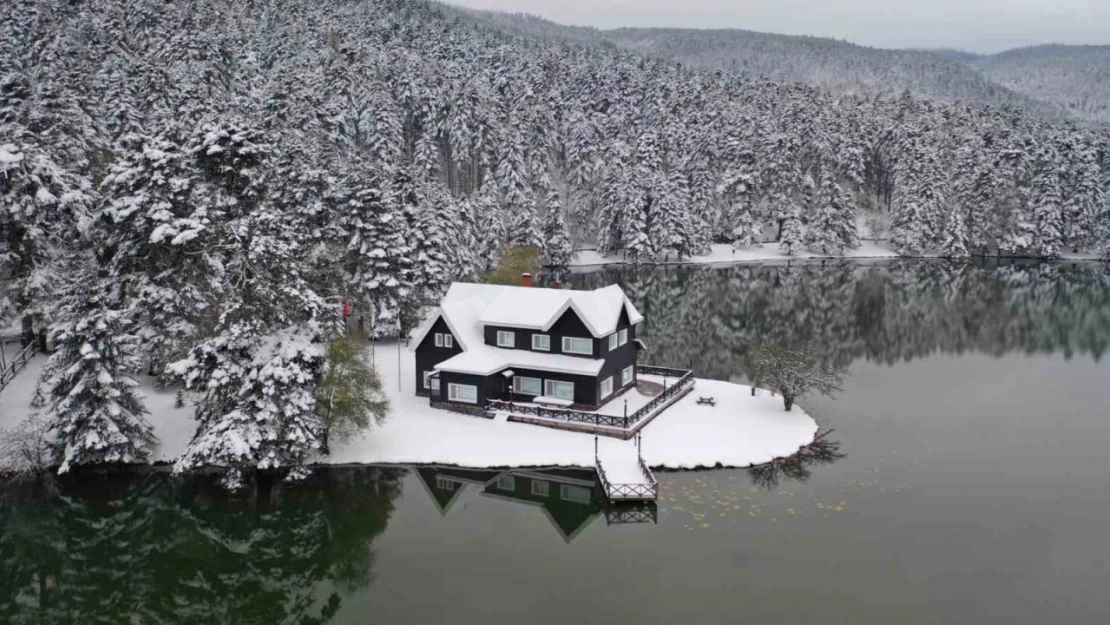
(200, 184)
(1075, 79)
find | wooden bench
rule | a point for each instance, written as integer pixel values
(710, 401)
(553, 401)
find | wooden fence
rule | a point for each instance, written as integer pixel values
(683, 378)
(8, 371)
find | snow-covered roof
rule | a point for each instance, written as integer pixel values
(468, 308)
(539, 309)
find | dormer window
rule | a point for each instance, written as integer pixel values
(575, 345)
(506, 339)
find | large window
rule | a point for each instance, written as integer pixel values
(541, 342)
(624, 337)
(627, 374)
(573, 345)
(559, 390)
(506, 482)
(527, 386)
(443, 483)
(506, 338)
(607, 387)
(540, 488)
(612, 341)
(462, 393)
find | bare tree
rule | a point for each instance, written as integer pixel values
(792, 373)
(27, 450)
(821, 451)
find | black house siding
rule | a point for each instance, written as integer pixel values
(568, 325)
(585, 386)
(428, 355)
(619, 358)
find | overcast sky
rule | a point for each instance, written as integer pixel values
(977, 25)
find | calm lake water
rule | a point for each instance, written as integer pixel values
(974, 487)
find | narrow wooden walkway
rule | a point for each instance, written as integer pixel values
(624, 475)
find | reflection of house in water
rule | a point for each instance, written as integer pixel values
(570, 498)
(446, 485)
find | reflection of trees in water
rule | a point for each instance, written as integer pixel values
(146, 547)
(820, 452)
(713, 318)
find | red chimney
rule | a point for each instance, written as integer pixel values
(558, 284)
(526, 279)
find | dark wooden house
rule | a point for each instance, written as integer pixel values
(558, 347)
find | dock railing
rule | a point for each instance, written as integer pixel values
(648, 490)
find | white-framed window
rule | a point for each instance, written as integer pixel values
(624, 337)
(435, 386)
(448, 340)
(506, 338)
(559, 390)
(443, 483)
(574, 494)
(506, 482)
(607, 387)
(439, 339)
(527, 386)
(464, 393)
(575, 345)
(427, 380)
(612, 341)
(541, 342)
(540, 488)
(627, 374)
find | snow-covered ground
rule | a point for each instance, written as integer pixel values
(741, 430)
(723, 254)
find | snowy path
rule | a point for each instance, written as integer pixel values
(741, 430)
(723, 254)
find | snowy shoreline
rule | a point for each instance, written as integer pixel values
(725, 254)
(740, 431)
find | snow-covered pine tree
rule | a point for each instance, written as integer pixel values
(1047, 205)
(669, 227)
(92, 401)
(378, 257)
(791, 241)
(954, 239)
(489, 228)
(916, 200)
(42, 208)
(431, 268)
(832, 225)
(1083, 198)
(257, 371)
(557, 250)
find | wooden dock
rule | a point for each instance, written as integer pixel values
(625, 477)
